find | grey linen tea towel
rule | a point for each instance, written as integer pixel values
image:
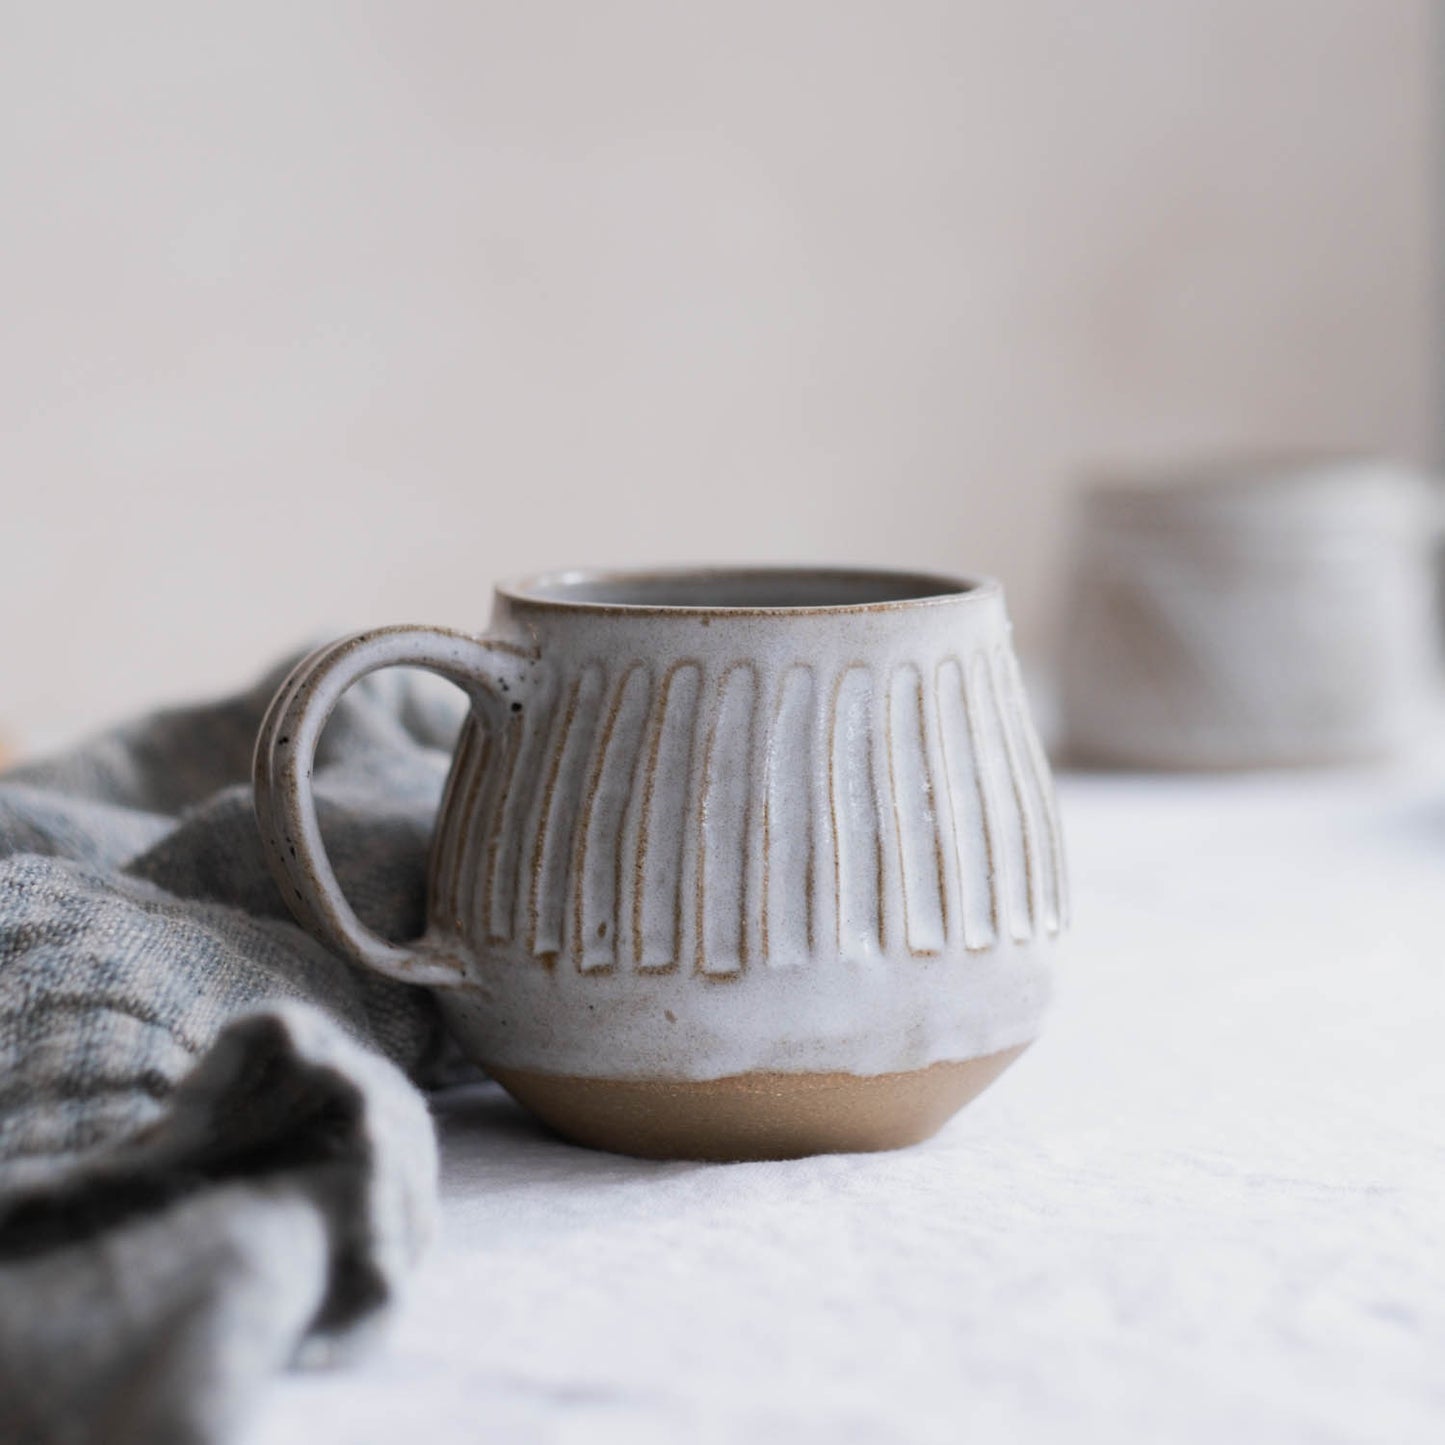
(214, 1158)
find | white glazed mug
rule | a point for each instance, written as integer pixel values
(1272, 613)
(729, 864)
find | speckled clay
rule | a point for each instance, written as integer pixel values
(730, 864)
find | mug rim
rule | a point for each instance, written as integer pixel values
(918, 589)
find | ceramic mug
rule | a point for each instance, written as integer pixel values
(730, 864)
(1267, 613)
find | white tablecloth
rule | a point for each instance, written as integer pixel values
(1208, 1205)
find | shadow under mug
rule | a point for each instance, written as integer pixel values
(730, 864)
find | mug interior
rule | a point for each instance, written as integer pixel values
(770, 589)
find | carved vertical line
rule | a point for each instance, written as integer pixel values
(930, 788)
(496, 928)
(653, 746)
(700, 875)
(720, 950)
(890, 749)
(482, 747)
(563, 804)
(1041, 787)
(688, 920)
(497, 742)
(619, 851)
(469, 825)
(833, 808)
(523, 808)
(667, 718)
(584, 947)
(1033, 877)
(440, 903)
(549, 825)
(584, 817)
(979, 861)
(755, 857)
(790, 787)
(856, 809)
(885, 811)
(765, 893)
(918, 845)
(626, 889)
(821, 880)
(996, 864)
(553, 766)
(443, 881)
(945, 792)
(1005, 830)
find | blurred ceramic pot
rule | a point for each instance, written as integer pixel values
(1271, 615)
(730, 864)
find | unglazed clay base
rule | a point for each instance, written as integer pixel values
(754, 1116)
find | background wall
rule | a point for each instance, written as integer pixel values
(315, 315)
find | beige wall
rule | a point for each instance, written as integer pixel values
(318, 315)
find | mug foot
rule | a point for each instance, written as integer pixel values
(754, 1116)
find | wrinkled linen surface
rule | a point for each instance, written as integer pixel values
(214, 1159)
(1206, 1208)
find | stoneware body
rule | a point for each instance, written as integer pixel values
(1273, 614)
(729, 864)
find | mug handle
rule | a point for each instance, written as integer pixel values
(484, 668)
